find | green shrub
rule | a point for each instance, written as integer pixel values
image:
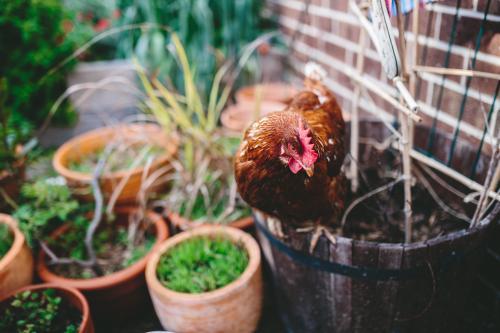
(36, 35)
(39, 312)
(5, 239)
(201, 264)
(13, 132)
(46, 204)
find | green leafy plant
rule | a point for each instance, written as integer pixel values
(210, 30)
(46, 204)
(6, 239)
(201, 264)
(36, 35)
(203, 187)
(39, 312)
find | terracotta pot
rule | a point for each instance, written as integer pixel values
(16, 267)
(182, 224)
(233, 308)
(238, 117)
(71, 295)
(118, 293)
(10, 182)
(274, 91)
(97, 139)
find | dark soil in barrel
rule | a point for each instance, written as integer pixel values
(380, 218)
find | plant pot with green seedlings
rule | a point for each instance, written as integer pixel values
(103, 256)
(132, 152)
(207, 279)
(16, 261)
(203, 190)
(45, 308)
(112, 274)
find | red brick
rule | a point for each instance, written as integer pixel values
(339, 5)
(494, 6)
(450, 101)
(372, 67)
(421, 89)
(475, 112)
(340, 78)
(486, 86)
(437, 57)
(335, 51)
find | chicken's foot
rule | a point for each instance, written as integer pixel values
(274, 226)
(318, 230)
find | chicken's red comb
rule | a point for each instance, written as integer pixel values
(309, 156)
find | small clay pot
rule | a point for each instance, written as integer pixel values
(16, 267)
(71, 295)
(97, 139)
(116, 294)
(182, 224)
(274, 91)
(238, 117)
(10, 182)
(234, 308)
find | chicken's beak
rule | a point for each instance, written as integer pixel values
(309, 171)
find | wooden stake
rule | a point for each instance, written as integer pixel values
(406, 125)
(413, 75)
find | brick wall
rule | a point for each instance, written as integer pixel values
(329, 35)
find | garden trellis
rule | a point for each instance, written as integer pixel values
(420, 79)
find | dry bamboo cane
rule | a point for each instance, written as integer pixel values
(456, 72)
(413, 75)
(406, 125)
(355, 114)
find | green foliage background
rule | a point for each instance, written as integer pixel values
(33, 40)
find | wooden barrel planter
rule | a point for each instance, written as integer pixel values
(366, 286)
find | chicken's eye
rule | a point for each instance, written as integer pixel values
(294, 149)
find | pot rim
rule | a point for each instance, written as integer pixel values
(107, 281)
(246, 93)
(179, 221)
(85, 311)
(62, 169)
(235, 286)
(17, 244)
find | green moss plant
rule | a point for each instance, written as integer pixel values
(202, 264)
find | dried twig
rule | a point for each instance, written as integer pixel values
(55, 260)
(495, 158)
(436, 198)
(443, 183)
(368, 195)
(98, 210)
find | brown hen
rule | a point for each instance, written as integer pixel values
(289, 162)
